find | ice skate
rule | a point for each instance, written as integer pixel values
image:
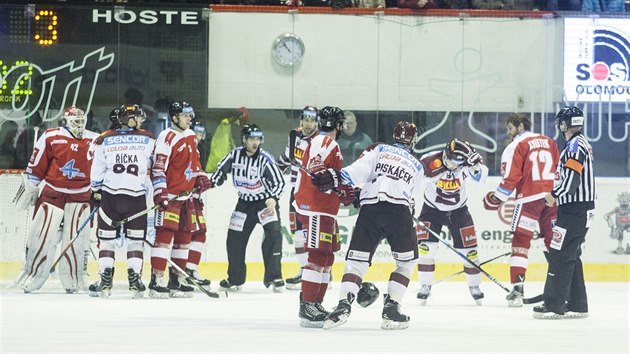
(341, 313)
(423, 294)
(193, 273)
(177, 286)
(392, 318)
(515, 297)
(476, 294)
(542, 313)
(571, 314)
(619, 250)
(225, 285)
(157, 287)
(310, 314)
(276, 285)
(103, 287)
(295, 283)
(135, 284)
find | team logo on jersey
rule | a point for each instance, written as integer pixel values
(69, 171)
(188, 172)
(449, 185)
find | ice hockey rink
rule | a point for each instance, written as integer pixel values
(255, 320)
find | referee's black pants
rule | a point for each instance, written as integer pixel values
(565, 276)
(236, 244)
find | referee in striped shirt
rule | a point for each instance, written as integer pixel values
(259, 183)
(574, 191)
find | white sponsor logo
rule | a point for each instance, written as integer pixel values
(147, 17)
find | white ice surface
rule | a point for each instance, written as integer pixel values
(258, 321)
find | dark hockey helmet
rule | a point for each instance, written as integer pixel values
(128, 111)
(309, 112)
(572, 116)
(113, 119)
(252, 131)
(331, 118)
(405, 133)
(368, 293)
(180, 107)
(455, 153)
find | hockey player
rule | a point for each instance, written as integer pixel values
(528, 166)
(298, 141)
(61, 158)
(198, 237)
(122, 158)
(445, 200)
(317, 215)
(176, 169)
(388, 176)
(259, 183)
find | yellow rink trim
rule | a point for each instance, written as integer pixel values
(377, 272)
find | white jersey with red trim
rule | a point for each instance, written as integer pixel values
(528, 167)
(321, 153)
(175, 161)
(388, 173)
(446, 189)
(62, 160)
(122, 159)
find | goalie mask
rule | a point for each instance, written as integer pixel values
(74, 120)
(455, 154)
(331, 118)
(405, 133)
(571, 116)
(128, 112)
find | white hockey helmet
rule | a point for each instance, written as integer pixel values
(74, 120)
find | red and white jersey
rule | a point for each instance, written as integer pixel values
(388, 173)
(62, 160)
(175, 161)
(122, 159)
(528, 167)
(445, 189)
(321, 153)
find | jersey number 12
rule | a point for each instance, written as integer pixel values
(542, 158)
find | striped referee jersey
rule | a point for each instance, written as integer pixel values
(577, 178)
(255, 178)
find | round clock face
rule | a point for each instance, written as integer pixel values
(288, 50)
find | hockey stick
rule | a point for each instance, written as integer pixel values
(211, 294)
(144, 212)
(533, 300)
(67, 247)
(480, 264)
(297, 164)
(493, 279)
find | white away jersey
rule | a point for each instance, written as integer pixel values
(122, 159)
(385, 173)
(445, 189)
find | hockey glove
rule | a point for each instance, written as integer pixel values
(160, 197)
(326, 180)
(490, 202)
(472, 157)
(202, 183)
(346, 194)
(95, 198)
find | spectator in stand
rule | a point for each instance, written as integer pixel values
(8, 132)
(492, 4)
(601, 5)
(353, 141)
(25, 141)
(416, 4)
(222, 141)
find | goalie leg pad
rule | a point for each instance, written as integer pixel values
(43, 237)
(73, 265)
